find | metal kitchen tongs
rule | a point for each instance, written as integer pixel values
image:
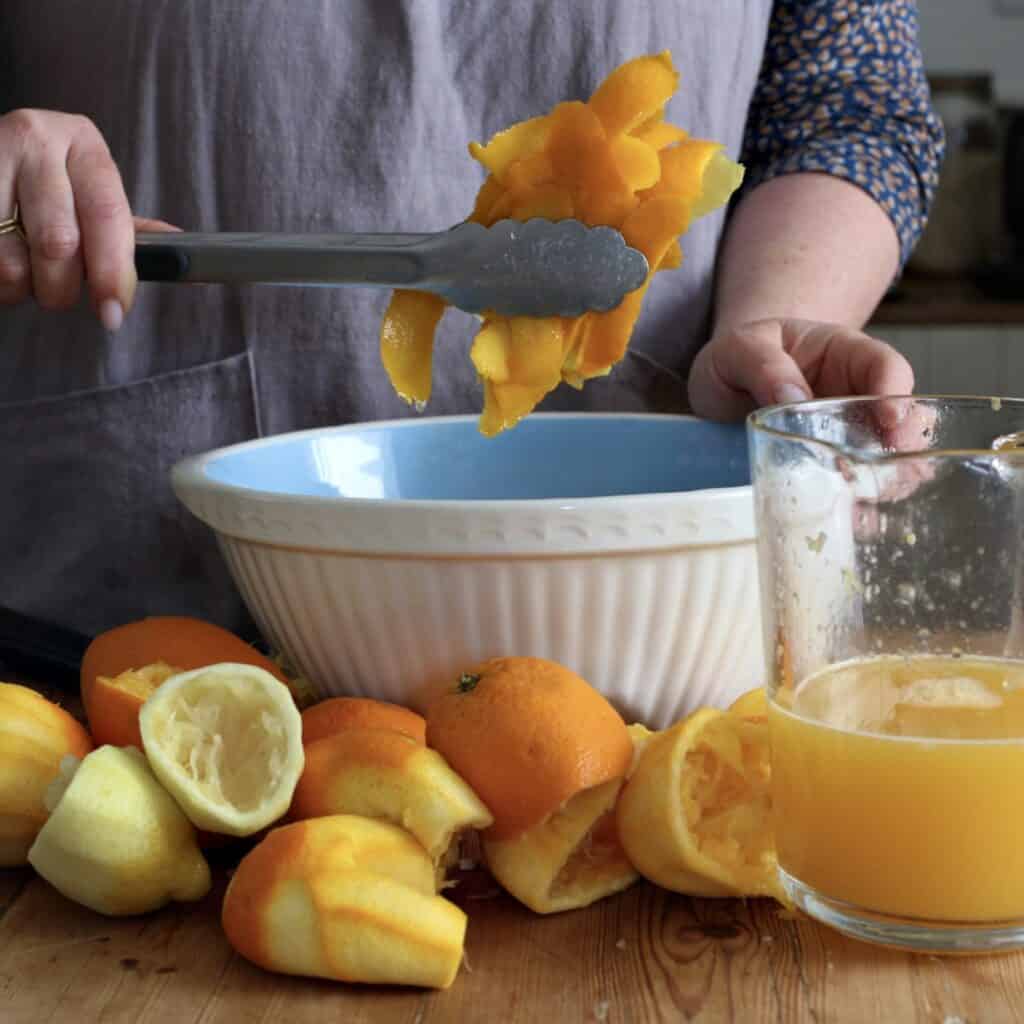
(536, 268)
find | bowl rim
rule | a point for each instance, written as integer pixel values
(459, 528)
(190, 472)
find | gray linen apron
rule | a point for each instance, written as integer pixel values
(315, 115)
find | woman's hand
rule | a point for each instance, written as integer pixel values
(78, 224)
(771, 362)
(783, 360)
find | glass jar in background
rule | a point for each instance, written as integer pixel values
(965, 226)
(891, 557)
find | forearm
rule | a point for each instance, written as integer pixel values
(805, 246)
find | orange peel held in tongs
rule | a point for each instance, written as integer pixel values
(612, 161)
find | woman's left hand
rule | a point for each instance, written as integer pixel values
(775, 361)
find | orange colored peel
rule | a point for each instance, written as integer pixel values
(336, 714)
(613, 160)
(345, 898)
(386, 775)
(125, 665)
(410, 317)
(635, 92)
(527, 734)
(115, 702)
(35, 734)
(573, 857)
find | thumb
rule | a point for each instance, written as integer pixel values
(744, 368)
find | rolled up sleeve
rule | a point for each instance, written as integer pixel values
(842, 91)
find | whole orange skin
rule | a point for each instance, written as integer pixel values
(183, 642)
(527, 734)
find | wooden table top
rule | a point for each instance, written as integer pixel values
(645, 955)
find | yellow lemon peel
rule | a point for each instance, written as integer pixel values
(115, 840)
(695, 816)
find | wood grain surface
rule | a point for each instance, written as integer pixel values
(645, 955)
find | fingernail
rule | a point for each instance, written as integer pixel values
(111, 314)
(786, 394)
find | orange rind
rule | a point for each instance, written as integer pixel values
(345, 898)
(124, 665)
(527, 734)
(569, 860)
(574, 857)
(613, 161)
(116, 702)
(383, 774)
(35, 734)
(339, 713)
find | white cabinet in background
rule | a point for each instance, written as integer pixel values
(961, 360)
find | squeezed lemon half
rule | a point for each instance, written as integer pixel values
(115, 841)
(226, 742)
(695, 816)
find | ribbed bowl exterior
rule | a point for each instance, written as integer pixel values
(658, 632)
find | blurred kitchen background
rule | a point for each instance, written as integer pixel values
(958, 311)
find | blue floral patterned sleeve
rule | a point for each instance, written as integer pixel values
(842, 91)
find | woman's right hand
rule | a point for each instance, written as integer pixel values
(76, 217)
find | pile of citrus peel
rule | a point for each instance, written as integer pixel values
(357, 814)
(613, 160)
(195, 739)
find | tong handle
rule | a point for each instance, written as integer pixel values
(391, 260)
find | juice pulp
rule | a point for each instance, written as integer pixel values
(898, 786)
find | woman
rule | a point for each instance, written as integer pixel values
(326, 116)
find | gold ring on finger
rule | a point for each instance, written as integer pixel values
(13, 225)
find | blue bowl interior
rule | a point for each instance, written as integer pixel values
(448, 459)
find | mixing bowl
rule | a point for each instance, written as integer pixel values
(385, 558)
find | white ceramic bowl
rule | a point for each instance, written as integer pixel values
(384, 558)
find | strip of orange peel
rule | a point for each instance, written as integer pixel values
(613, 160)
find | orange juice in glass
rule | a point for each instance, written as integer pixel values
(892, 577)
